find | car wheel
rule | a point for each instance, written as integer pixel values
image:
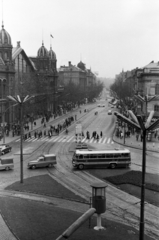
(81, 166)
(7, 168)
(50, 165)
(113, 165)
(33, 167)
(2, 153)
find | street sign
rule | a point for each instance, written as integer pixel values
(78, 128)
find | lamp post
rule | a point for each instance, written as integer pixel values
(138, 123)
(2, 92)
(20, 101)
(146, 100)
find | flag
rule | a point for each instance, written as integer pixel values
(51, 36)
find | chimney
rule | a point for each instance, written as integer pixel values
(69, 64)
(18, 44)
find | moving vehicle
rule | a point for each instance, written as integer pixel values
(6, 164)
(102, 158)
(46, 160)
(5, 148)
(101, 105)
(109, 112)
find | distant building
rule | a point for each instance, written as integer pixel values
(148, 84)
(78, 75)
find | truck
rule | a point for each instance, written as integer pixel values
(45, 160)
(6, 164)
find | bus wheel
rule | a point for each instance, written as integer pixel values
(81, 166)
(112, 165)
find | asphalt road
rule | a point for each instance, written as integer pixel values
(120, 206)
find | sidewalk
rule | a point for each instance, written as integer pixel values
(32, 128)
(152, 146)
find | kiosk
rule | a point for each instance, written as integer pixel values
(99, 201)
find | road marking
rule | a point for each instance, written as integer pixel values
(70, 139)
(104, 140)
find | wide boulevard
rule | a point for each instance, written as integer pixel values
(120, 206)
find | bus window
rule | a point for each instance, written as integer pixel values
(86, 156)
(93, 156)
(109, 155)
(80, 156)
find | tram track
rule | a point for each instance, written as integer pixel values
(120, 205)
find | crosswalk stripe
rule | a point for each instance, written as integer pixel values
(69, 139)
(56, 138)
(104, 140)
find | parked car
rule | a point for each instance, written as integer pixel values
(5, 148)
(47, 160)
(6, 164)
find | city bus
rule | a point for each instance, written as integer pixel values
(101, 158)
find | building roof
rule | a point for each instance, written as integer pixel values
(17, 50)
(43, 52)
(5, 38)
(152, 65)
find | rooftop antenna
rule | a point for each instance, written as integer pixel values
(81, 57)
(42, 38)
(2, 15)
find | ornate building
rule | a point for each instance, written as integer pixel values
(7, 73)
(23, 75)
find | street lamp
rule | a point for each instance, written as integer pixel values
(138, 123)
(2, 100)
(20, 100)
(146, 100)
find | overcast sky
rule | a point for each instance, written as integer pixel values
(107, 35)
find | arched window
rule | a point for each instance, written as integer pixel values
(157, 89)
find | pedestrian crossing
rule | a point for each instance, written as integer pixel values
(62, 139)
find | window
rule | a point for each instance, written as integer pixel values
(109, 155)
(86, 156)
(157, 89)
(93, 156)
(156, 108)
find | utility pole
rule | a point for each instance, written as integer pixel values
(139, 124)
(20, 101)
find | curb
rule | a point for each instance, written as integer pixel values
(133, 146)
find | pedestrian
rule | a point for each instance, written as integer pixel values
(137, 137)
(97, 137)
(101, 134)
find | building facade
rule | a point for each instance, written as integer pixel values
(23, 75)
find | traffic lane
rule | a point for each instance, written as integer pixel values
(120, 205)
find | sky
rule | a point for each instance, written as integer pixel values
(107, 35)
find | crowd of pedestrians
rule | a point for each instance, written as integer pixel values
(50, 130)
